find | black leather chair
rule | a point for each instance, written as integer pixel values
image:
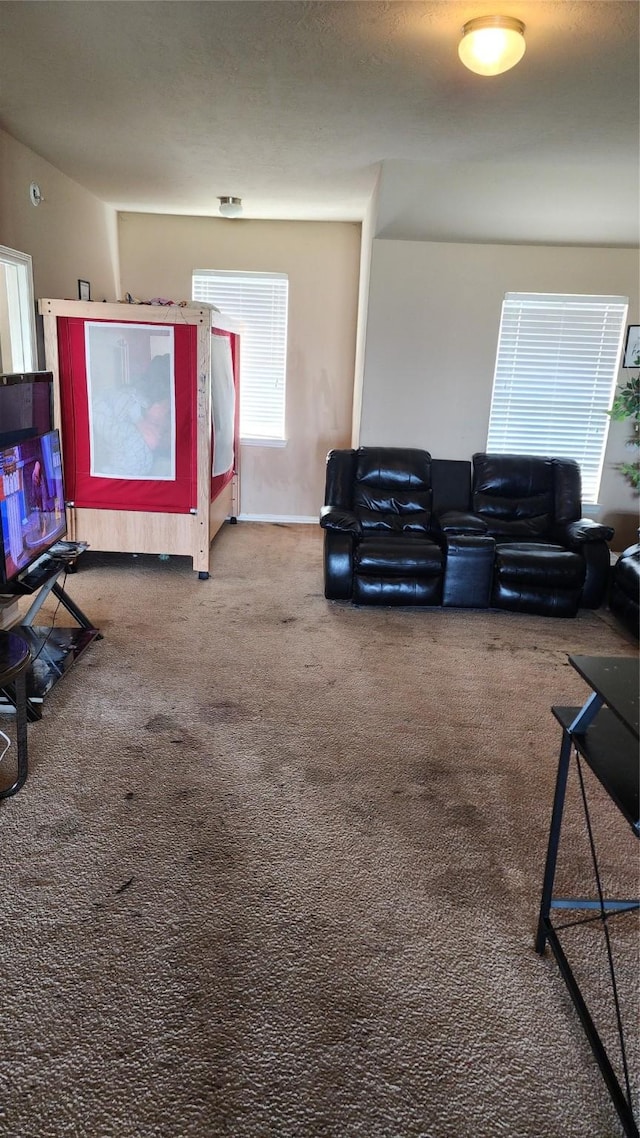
(379, 545)
(624, 596)
(548, 559)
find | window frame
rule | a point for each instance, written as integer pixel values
(18, 293)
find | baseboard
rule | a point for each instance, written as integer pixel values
(279, 519)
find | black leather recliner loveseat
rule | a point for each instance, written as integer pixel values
(624, 594)
(502, 531)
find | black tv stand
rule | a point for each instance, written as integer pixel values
(53, 649)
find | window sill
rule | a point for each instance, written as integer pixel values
(263, 442)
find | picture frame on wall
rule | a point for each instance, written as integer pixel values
(631, 354)
(84, 290)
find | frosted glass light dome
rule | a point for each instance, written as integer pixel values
(230, 207)
(492, 44)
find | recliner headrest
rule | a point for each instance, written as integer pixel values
(401, 468)
(514, 475)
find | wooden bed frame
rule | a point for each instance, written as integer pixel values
(127, 531)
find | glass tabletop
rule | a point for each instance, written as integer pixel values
(14, 656)
(616, 680)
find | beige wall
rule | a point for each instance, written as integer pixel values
(158, 254)
(431, 327)
(433, 321)
(70, 235)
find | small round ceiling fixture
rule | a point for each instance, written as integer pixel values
(492, 44)
(35, 194)
(230, 207)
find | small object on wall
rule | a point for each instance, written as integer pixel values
(35, 194)
(631, 354)
(84, 290)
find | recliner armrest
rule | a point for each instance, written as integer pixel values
(340, 520)
(461, 522)
(585, 530)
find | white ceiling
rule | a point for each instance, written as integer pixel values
(163, 105)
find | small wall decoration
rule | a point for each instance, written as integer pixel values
(84, 290)
(631, 354)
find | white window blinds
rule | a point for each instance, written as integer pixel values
(556, 368)
(259, 302)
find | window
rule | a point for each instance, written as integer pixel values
(556, 370)
(259, 302)
(17, 312)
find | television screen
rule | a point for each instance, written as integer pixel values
(31, 501)
(25, 405)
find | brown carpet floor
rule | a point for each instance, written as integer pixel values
(276, 868)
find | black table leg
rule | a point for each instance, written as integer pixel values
(554, 841)
(72, 608)
(20, 684)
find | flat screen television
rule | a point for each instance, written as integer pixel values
(31, 502)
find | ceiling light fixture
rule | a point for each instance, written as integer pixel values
(230, 207)
(492, 44)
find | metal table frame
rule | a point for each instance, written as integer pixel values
(15, 659)
(603, 733)
(53, 649)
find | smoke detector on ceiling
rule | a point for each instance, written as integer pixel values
(230, 207)
(35, 194)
